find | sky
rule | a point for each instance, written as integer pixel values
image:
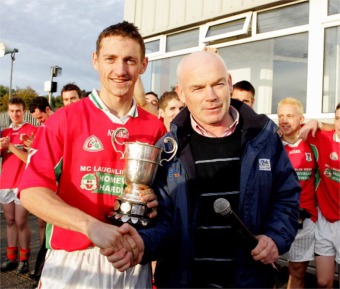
(53, 33)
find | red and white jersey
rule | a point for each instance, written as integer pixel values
(73, 156)
(303, 161)
(326, 147)
(12, 166)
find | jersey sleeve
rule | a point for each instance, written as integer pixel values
(45, 158)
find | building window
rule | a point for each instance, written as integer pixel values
(333, 7)
(152, 46)
(182, 40)
(272, 66)
(282, 18)
(163, 72)
(331, 77)
(226, 28)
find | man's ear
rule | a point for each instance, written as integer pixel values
(180, 93)
(161, 113)
(145, 63)
(95, 60)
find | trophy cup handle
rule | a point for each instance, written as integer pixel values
(114, 140)
(173, 151)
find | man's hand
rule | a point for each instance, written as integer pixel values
(126, 257)
(27, 139)
(311, 126)
(148, 196)
(266, 250)
(4, 142)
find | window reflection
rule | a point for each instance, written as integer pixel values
(333, 7)
(331, 78)
(290, 16)
(182, 40)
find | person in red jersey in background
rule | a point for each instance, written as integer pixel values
(326, 147)
(14, 155)
(290, 115)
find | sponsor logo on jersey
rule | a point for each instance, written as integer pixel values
(264, 165)
(334, 156)
(121, 133)
(93, 144)
(103, 183)
(308, 157)
(89, 182)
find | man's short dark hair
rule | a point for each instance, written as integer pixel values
(244, 85)
(153, 93)
(17, 101)
(123, 29)
(39, 102)
(69, 87)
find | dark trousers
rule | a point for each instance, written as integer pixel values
(40, 261)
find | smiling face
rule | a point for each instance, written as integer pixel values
(173, 107)
(16, 113)
(204, 85)
(119, 62)
(290, 119)
(69, 97)
(41, 116)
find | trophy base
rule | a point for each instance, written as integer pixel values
(133, 213)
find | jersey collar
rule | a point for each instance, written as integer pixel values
(97, 101)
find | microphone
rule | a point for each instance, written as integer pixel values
(223, 208)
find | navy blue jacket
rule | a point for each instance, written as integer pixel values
(269, 201)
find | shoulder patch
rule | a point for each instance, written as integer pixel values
(264, 165)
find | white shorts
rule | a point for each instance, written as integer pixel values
(302, 248)
(88, 269)
(8, 196)
(327, 238)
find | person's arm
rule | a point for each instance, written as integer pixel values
(139, 95)
(20, 154)
(47, 205)
(312, 126)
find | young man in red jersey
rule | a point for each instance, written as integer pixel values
(75, 175)
(326, 145)
(14, 154)
(290, 114)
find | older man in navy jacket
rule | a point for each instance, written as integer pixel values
(225, 150)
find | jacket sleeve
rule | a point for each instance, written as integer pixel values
(269, 190)
(158, 237)
(282, 224)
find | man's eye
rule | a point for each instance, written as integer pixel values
(131, 61)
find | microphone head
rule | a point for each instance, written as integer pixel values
(222, 207)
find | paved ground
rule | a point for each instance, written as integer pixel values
(11, 279)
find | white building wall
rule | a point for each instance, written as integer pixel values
(159, 16)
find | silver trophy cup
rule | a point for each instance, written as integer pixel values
(140, 168)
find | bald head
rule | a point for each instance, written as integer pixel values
(198, 61)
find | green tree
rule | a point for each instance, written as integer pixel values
(27, 94)
(57, 102)
(4, 90)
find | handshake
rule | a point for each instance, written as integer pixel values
(123, 246)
